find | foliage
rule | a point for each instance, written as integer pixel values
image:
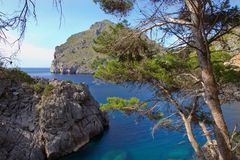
(125, 44)
(47, 90)
(164, 68)
(98, 61)
(16, 75)
(116, 103)
(196, 24)
(38, 88)
(224, 73)
(115, 7)
(132, 105)
(168, 69)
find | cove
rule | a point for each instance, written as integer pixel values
(129, 138)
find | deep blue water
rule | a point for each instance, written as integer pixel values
(128, 138)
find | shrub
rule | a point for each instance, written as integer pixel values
(116, 103)
(97, 62)
(38, 88)
(16, 75)
(48, 89)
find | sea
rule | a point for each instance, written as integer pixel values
(130, 137)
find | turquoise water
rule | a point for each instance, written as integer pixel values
(129, 138)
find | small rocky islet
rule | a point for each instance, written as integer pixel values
(45, 119)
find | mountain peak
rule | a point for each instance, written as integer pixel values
(102, 24)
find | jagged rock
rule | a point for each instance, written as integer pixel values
(33, 128)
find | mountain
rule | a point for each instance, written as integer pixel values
(76, 55)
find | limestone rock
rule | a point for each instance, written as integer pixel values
(36, 127)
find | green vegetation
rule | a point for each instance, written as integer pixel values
(15, 74)
(130, 106)
(47, 90)
(38, 88)
(78, 51)
(168, 68)
(121, 43)
(97, 62)
(172, 76)
(116, 103)
(115, 7)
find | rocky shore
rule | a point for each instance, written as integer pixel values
(46, 119)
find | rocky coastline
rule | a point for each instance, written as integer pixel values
(46, 119)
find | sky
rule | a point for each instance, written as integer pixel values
(45, 33)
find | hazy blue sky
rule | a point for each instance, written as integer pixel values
(44, 34)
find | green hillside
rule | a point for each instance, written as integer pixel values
(77, 55)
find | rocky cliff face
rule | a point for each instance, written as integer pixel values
(40, 122)
(77, 55)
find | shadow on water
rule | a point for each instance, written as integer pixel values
(87, 151)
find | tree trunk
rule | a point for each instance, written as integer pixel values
(212, 149)
(221, 131)
(191, 138)
(205, 132)
(212, 100)
(210, 86)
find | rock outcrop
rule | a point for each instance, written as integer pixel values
(77, 55)
(235, 60)
(46, 119)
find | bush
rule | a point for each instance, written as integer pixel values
(16, 75)
(116, 103)
(97, 62)
(48, 89)
(38, 88)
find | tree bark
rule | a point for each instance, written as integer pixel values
(192, 139)
(211, 98)
(213, 150)
(205, 132)
(211, 90)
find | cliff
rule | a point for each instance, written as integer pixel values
(77, 55)
(42, 119)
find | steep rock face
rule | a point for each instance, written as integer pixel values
(36, 127)
(77, 55)
(68, 118)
